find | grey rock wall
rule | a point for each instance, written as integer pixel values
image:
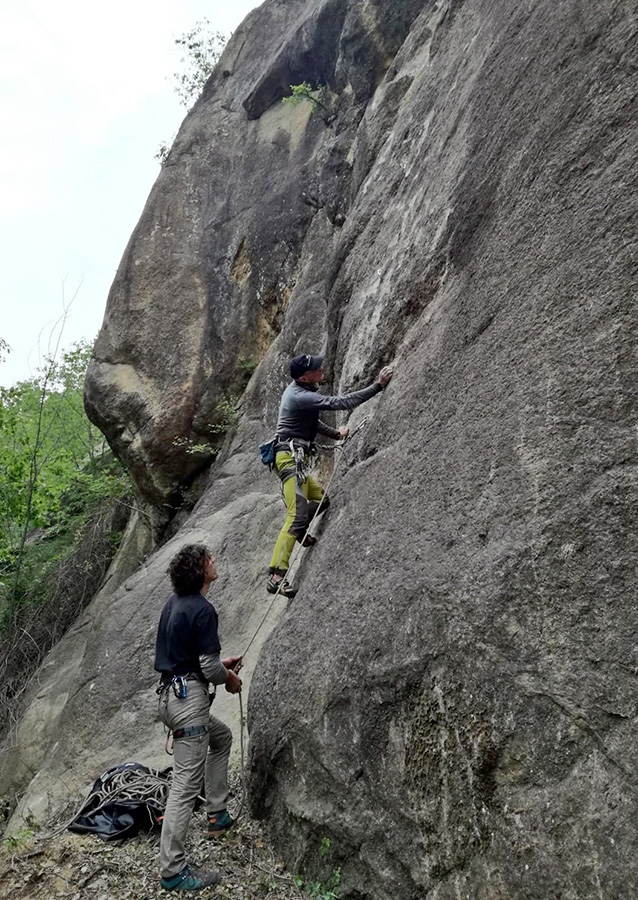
(207, 276)
(451, 698)
(455, 686)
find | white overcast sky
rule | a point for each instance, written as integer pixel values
(86, 98)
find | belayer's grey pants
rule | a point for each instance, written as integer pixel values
(197, 761)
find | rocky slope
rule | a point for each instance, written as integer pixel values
(448, 707)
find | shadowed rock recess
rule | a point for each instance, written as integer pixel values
(448, 709)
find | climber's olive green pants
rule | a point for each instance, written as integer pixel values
(301, 501)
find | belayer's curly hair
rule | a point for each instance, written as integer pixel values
(188, 569)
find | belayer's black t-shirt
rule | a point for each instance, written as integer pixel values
(187, 630)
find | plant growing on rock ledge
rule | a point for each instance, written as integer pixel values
(164, 149)
(305, 93)
(320, 890)
(227, 418)
(246, 364)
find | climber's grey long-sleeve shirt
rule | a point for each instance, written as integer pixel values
(212, 668)
(300, 406)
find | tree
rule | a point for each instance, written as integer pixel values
(64, 505)
(304, 92)
(47, 445)
(201, 50)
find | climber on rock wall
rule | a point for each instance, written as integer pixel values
(297, 426)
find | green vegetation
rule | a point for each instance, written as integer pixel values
(18, 841)
(54, 464)
(246, 365)
(226, 418)
(164, 149)
(64, 504)
(201, 50)
(321, 890)
(305, 93)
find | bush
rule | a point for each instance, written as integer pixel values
(60, 575)
(64, 504)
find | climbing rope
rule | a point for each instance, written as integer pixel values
(299, 545)
(144, 785)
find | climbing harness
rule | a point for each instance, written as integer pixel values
(179, 685)
(323, 448)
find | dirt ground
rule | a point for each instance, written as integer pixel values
(84, 867)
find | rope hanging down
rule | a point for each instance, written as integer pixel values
(242, 724)
(299, 544)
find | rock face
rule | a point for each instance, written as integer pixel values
(207, 277)
(448, 707)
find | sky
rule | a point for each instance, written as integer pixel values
(86, 99)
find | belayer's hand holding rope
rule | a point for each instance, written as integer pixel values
(233, 682)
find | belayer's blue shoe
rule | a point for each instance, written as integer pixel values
(218, 823)
(190, 880)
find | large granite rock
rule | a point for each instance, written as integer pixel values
(207, 276)
(448, 707)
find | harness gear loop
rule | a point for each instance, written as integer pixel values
(189, 731)
(302, 457)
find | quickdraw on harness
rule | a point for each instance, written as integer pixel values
(179, 684)
(302, 456)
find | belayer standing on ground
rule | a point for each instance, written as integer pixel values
(297, 427)
(187, 655)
